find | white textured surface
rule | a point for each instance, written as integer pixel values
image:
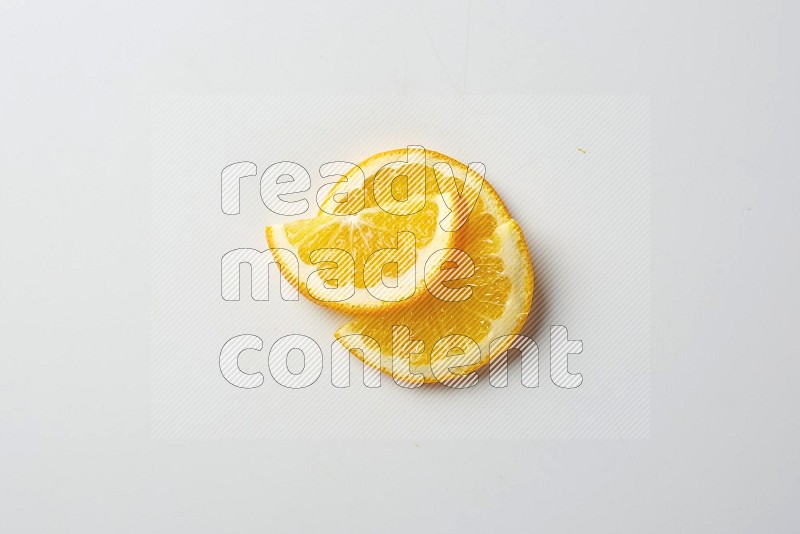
(75, 371)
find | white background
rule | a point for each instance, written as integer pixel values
(74, 374)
